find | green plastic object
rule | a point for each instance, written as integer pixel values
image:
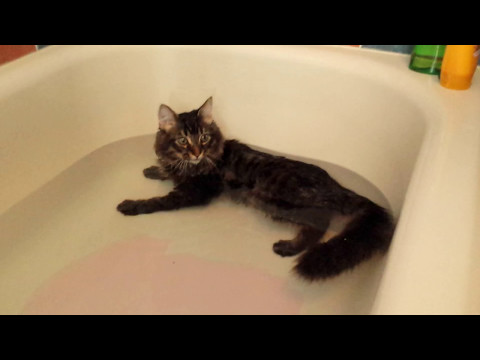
(427, 59)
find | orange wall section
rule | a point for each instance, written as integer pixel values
(12, 52)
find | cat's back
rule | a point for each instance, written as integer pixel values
(235, 150)
(267, 176)
(271, 171)
(237, 154)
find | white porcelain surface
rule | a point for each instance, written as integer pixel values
(76, 130)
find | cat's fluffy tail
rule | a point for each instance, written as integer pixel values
(370, 231)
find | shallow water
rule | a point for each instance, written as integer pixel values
(65, 249)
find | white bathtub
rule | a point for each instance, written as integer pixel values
(76, 130)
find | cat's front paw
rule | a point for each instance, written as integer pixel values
(130, 207)
(155, 173)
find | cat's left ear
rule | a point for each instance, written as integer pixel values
(206, 111)
(166, 118)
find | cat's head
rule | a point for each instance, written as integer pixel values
(190, 139)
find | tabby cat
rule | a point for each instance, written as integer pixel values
(193, 153)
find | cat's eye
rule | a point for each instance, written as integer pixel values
(205, 138)
(182, 141)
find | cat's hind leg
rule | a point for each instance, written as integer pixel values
(313, 222)
(306, 237)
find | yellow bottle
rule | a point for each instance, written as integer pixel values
(458, 66)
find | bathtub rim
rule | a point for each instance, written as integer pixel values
(432, 158)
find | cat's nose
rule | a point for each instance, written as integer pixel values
(196, 151)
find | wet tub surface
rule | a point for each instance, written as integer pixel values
(73, 253)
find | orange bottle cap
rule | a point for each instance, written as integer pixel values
(458, 67)
(455, 81)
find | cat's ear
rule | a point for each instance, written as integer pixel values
(166, 118)
(206, 111)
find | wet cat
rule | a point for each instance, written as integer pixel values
(193, 153)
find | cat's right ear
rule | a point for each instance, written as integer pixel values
(206, 111)
(166, 118)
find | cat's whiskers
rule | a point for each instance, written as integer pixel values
(184, 166)
(210, 162)
(180, 166)
(176, 165)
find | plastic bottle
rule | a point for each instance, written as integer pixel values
(427, 59)
(459, 65)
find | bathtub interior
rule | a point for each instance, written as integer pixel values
(77, 140)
